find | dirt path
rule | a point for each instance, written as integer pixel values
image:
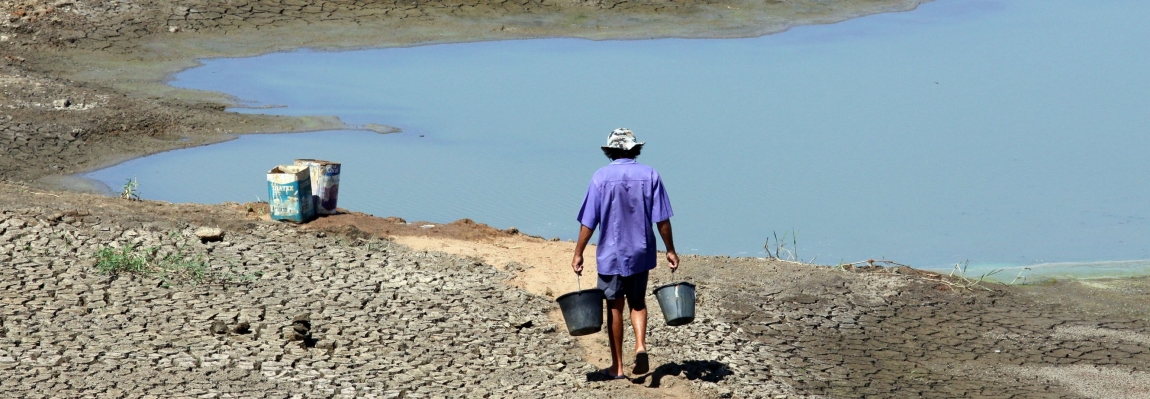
(542, 268)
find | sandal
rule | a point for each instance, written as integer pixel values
(642, 363)
(607, 375)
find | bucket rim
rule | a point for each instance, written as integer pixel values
(287, 169)
(589, 290)
(317, 161)
(656, 290)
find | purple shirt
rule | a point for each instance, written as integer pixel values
(625, 197)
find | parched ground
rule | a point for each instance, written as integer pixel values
(335, 310)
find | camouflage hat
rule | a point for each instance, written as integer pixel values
(621, 139)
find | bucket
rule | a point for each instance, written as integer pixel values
(289, 194)
(324, 184)
(677, 300)
(582, 311)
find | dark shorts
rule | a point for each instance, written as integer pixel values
(633, 287)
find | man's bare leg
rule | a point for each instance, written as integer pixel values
(615, 334)
(639, 324)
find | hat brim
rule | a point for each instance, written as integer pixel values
(607, 147)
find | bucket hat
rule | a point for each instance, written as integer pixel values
(621, 139)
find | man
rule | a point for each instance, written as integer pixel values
(624, 199)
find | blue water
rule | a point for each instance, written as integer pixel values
(1003, 133)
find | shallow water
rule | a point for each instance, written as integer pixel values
(1006, 133)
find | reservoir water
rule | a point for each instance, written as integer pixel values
(1003, 133)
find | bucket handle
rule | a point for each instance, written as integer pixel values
(578, 283)
(676, 284)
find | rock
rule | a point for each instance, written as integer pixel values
(292, 335)
(218, 327)
(173, 29)
(209, 234)
(242, 328)
(61, 103)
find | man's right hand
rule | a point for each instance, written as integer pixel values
(580, 246)
(577, 264)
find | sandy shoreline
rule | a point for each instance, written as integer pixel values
(471, 310)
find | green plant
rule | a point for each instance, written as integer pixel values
(179, 267)
(125, 260)
(969, 284)
(780, 249)
(174, 269)
(130, 190)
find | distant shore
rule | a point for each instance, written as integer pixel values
(88, 82)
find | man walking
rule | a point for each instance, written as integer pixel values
(624, 199)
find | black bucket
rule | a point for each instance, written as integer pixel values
(582, 311)
(677, 300)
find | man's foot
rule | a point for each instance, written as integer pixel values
(642, 363)
(607, 374)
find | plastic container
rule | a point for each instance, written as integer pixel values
(289, 194)
(677, 300)
(582, 311)
(324, 184)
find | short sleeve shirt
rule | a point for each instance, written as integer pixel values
(623, 200)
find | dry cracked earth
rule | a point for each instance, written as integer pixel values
(286, 311)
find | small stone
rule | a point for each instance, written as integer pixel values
(173, 29)
(61, 103)
(209, 234)
(218, 327)
(292, 335)
(242, 328)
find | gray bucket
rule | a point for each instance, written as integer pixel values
(677, 300)
(582, 311)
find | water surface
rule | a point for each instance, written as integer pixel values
(1003, 133)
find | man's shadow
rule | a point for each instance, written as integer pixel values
(705, 370)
